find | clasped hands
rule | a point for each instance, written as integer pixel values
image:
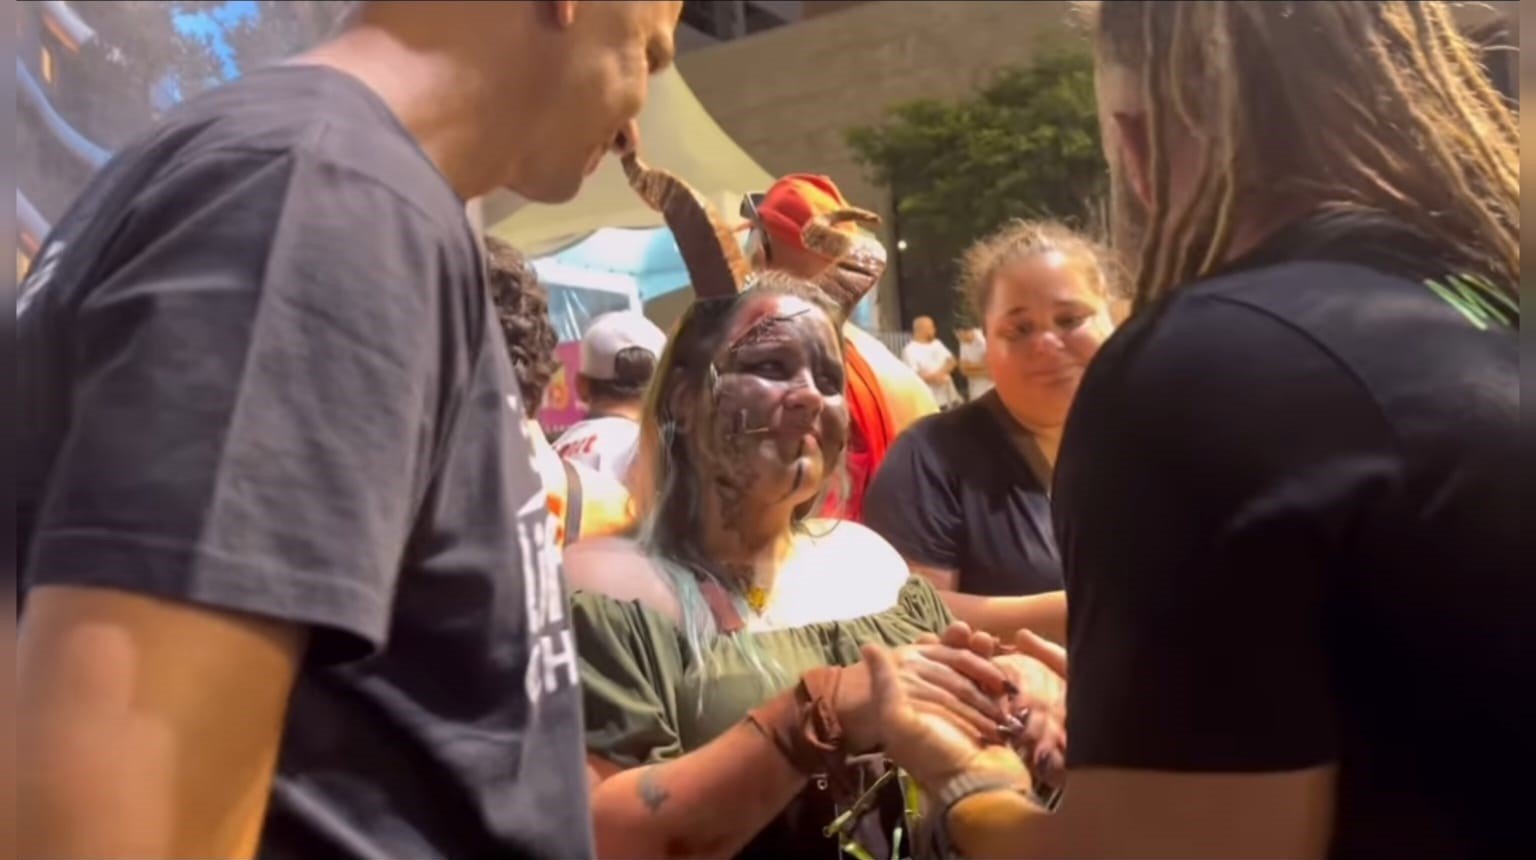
(961, 701)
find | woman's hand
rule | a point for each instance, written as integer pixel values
(1054, 656)
(1036, 669)
(946, 684)
(928, 740)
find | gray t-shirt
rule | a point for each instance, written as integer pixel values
(259, 372)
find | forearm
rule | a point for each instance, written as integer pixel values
(1112, 812)
(1044, 614)
(673, 809)
(1005, 824)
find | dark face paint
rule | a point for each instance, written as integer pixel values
(776, 421)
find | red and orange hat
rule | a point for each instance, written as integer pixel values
(793, 201)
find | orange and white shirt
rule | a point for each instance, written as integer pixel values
(606, 444)
(605, 503)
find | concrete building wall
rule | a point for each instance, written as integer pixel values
(817, 8)
(787, 95)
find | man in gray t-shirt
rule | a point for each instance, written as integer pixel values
(289, 588)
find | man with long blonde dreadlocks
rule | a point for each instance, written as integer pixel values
(1287, 498)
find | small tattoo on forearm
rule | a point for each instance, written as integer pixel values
(651, 791)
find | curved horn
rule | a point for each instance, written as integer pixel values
(714, 260)
(858, 259)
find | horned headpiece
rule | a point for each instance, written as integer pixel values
(715, 262)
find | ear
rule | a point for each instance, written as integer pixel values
(1119, 310)
(677, 408)
(565, 12)
(1136, 153)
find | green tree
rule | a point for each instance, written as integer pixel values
(1026, 145)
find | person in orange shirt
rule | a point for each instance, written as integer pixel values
(884, 395)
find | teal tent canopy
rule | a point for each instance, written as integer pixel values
(647, 257)
(611, 269)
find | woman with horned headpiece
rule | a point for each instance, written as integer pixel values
(727, 705)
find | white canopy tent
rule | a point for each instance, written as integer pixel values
(676, 133)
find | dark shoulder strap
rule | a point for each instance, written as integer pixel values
(572, 502)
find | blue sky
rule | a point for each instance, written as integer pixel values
(211, 28)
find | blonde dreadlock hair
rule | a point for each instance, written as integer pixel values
(1369, 107)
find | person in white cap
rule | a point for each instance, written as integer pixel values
(619, 353)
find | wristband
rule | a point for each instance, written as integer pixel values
(802, 723)
(936, 839)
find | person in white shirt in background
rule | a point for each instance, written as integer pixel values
(619, 353)
(933, 361)
(973, 363)
(582, 501)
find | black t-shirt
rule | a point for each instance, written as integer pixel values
(955, 493)
(1286, 503)
(259, 372)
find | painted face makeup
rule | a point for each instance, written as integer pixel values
(778, 420)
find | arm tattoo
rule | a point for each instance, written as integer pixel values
(651, 791)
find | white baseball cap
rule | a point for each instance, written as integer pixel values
(613, 333)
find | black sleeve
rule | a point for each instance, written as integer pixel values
(250, 378)
(912, 503)
(1214, 466)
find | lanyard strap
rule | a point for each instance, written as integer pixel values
(572, 502)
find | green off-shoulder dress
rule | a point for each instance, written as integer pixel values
(646, 700)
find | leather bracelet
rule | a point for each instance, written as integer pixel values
(803, 723)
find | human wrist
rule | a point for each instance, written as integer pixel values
(803, 722)
(972, 795)
(973, 825)
(963, 802)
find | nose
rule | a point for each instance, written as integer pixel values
(803, 404)
(1044, 343)
(626, 140)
